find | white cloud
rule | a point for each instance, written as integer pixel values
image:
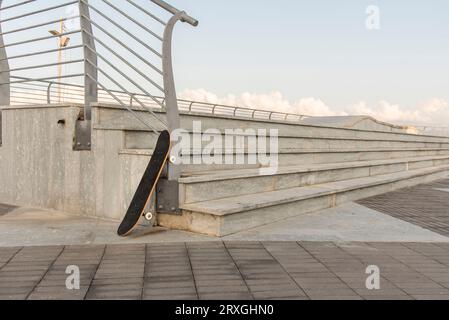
(432, 112)
(313, 107)
(385, 111)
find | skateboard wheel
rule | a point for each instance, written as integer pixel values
(173, 159)
(149, 216)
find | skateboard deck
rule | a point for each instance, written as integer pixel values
(147, 185)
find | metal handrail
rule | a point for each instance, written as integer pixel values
(186, 106)
(184, 16)
(47, 92)
(434, 130)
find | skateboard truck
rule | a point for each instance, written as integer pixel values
(173, 159)
(149, 216)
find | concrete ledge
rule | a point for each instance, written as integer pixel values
(250, 173)
(226, 216)
(230, 183)
(241, 122)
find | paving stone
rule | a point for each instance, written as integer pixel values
(116, 288)
(431, 297)
(13, 296)
(222, 289)
(386, 297)
(95, 294)
(226, 296)
(168, 291)
(11, 283)
(117, 281)
(15, 290)
(335, 297)
(426, 291)
(171, 297)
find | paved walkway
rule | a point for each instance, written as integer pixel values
(228, 270)
(348, 222)
(324, 255)
(425, 205)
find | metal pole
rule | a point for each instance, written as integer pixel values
(49, 93)
(61, 31)
(90, 71)
(171, 100)
(5, 99)
(4, 76)
(83, 136)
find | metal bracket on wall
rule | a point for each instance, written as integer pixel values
(82, 139)
(167, 197)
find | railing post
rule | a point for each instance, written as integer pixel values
(4, 75)
(5, 98)
(171, 100)
(168, 189)
(83, 129)
(49, 92)
(90, 71)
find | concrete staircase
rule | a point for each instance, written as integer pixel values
(319, 167)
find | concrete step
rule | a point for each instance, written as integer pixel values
(230, 215)
(211, 185)
(292, 157)
(138, 159)
(147, 140)
(109, 117)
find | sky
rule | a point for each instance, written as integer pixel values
(316, 58)
(319, 56)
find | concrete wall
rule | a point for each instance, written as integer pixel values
(38, 166)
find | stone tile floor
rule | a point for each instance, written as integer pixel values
(227, 270)
(425, 205)
(212, 270)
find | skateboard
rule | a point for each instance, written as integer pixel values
(147, 186)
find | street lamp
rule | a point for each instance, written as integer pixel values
(63, 42)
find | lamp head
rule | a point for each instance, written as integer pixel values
(54, 32)
(64, 42)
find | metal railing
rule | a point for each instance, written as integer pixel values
(47, 92)
(111, 46)
(432, 130)
(120, 50)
